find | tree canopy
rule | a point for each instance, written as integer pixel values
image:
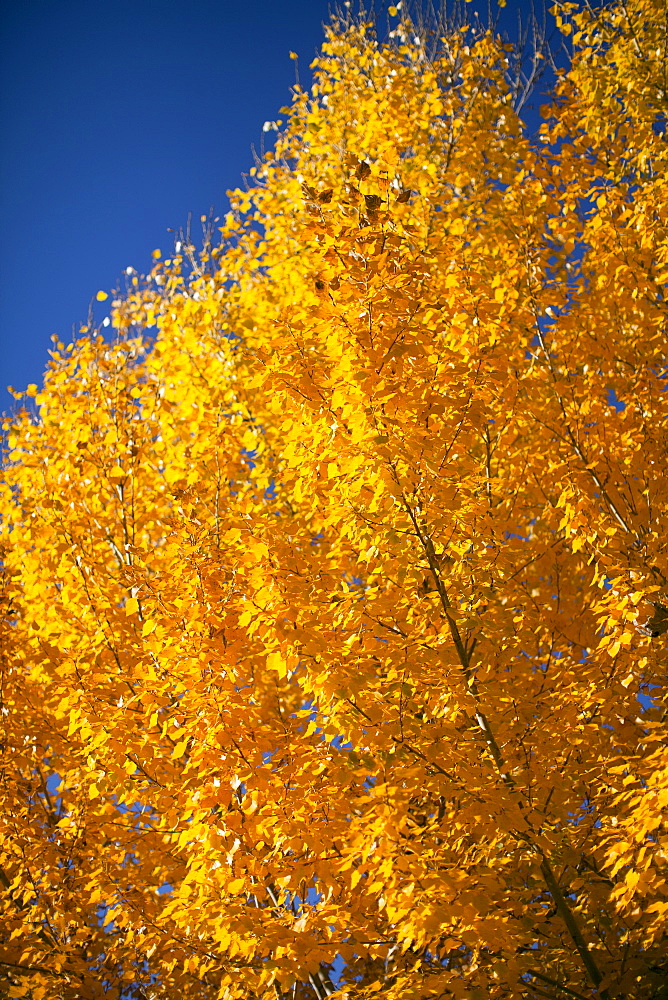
(334, 584)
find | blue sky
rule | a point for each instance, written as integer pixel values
(118, 119)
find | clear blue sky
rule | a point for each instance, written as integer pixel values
(118, 119)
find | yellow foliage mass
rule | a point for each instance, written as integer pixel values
(320, 603)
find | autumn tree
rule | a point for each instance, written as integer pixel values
(335, 585)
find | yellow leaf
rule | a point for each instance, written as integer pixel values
(173, 473)
(276, 661)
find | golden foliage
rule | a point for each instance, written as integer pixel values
(320, 644)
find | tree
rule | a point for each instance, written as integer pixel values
(325, 657)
